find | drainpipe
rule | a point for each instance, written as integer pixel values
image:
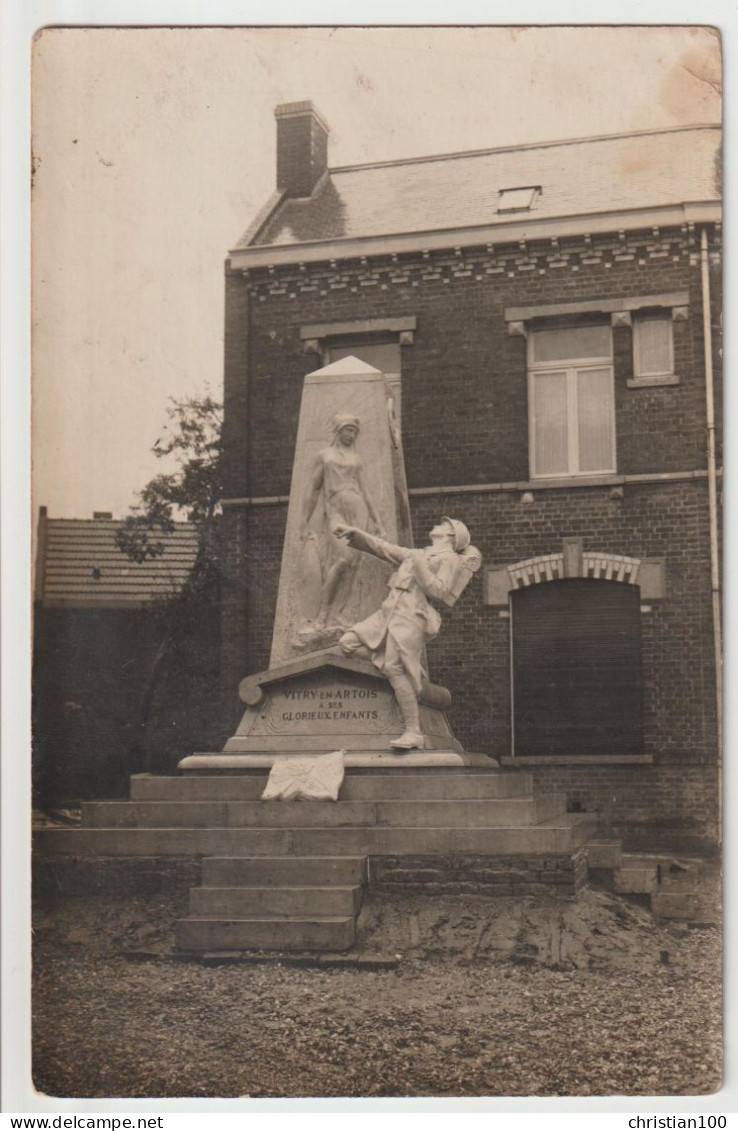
(712, 497)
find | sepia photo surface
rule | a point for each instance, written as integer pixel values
(377, 464)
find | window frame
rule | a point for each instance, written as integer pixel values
(535, 194)
(572, 367)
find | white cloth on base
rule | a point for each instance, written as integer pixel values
(306, 779)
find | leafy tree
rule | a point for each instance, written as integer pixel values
(190, 492)
(193, 491)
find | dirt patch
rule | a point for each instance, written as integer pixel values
(133, 911)
(597, 931)
(489, 997)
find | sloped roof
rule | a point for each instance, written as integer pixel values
(80, 565)
(461, 190)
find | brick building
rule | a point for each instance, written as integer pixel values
(100, 713)
(548, 315)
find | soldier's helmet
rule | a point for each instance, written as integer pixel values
(462, 537)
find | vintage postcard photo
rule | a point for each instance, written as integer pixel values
(377, 708)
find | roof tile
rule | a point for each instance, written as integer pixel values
(461, 190)
(83, 565)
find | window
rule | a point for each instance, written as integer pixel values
(571, 401)
(518, 199)
(653, 346)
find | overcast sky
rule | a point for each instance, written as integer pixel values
(155, 147)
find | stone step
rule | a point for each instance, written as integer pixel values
(289, 871)
(273, 902)
(310, 933)
(558, 835)
(490, 812)
(604, 853)
(356, 787)
(561, 834)
(635, 879)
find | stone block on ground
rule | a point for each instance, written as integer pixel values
(386, 784)
(604, 853)
(674, 904)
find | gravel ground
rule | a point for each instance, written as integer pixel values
(633, 1008)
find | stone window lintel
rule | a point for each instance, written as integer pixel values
(403, 327)
(673, 300)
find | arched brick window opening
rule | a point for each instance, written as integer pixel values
(576, 668)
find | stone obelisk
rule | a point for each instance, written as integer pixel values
(348, 468)
(353, 479)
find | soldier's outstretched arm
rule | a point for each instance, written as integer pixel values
(370, 544)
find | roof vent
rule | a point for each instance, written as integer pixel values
(302, 147)
(102, 514)
(518, 199)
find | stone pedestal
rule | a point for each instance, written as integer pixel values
(325, 702)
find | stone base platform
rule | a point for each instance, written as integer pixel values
(290, 875)
(355, 760)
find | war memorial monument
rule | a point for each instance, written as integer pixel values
(344, 773)
(348, 667)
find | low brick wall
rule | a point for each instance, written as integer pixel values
(670, 806)
(481, 875)
(59, 877)
(64, 877)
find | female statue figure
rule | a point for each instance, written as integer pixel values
(337, 488)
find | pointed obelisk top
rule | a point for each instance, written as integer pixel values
(345, 369)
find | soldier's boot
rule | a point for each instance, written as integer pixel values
(411, 739)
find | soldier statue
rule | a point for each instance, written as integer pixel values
(395, 635)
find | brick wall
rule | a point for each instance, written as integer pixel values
(465, 421)
(236, 385)
(562, 875)
(671, 805)
(471, 655)
(464, 378)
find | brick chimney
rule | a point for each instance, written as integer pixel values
(302, 147)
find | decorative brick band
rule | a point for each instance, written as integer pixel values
(416, 268)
